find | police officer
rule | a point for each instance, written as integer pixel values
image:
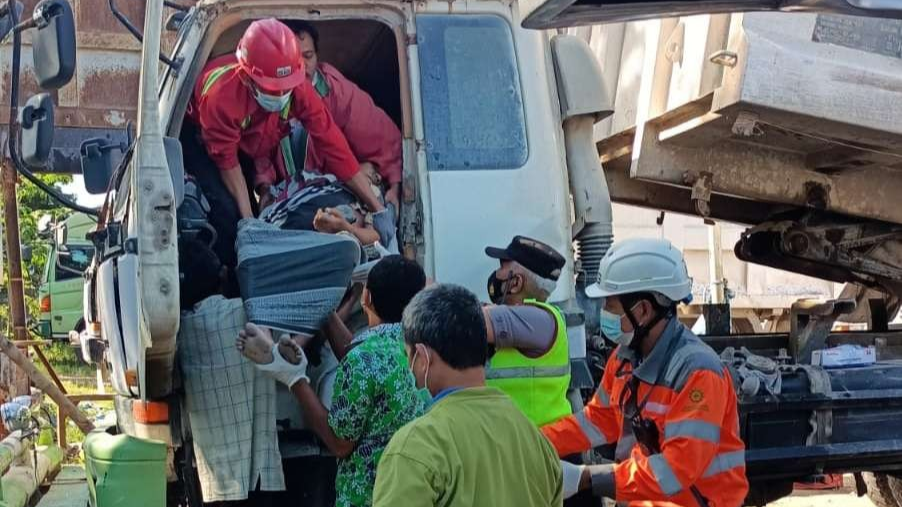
(531, 363)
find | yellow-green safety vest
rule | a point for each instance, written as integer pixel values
(537, 385)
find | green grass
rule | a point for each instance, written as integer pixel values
(62, 357)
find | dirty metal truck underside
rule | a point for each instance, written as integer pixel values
(801, 420)
(798, 223)
(787, 123)
(836, 248)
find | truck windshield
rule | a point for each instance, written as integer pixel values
(73, 262)
(473, 108)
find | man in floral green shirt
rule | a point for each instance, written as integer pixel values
(375, 393)
(374, 396)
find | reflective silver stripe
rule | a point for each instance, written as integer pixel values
(725, 461)
(693, 429)
(591, 431)
(667, 480)
(603, 397)
(691, 358)
(625, 445)
(657, 408)
(528, 372)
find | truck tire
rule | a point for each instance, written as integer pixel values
(881, 489)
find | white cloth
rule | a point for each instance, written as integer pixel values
(291, 417)
(283, 371)
(230, 404)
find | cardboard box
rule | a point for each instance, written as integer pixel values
(844, 356)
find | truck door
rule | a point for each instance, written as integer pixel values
(66, 287)
(493, 167)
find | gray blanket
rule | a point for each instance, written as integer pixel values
(291, 280)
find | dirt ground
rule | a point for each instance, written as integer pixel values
(838, 498)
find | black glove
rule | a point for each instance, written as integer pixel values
(603, 483)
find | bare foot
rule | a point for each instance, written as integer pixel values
(290, 350)
(255, 343)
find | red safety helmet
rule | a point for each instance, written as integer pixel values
(269, 54)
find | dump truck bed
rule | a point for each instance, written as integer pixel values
(776, 109)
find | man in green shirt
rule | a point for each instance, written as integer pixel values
(473, 447)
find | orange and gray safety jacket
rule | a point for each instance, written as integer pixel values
(683, 395)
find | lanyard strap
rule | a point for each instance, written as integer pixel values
(445, 392)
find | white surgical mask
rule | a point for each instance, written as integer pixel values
(272, 103)
(413, 363)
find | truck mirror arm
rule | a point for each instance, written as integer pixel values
(176, 6)
(14, 126)
(137, 33)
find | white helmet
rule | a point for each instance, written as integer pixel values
(642, 265)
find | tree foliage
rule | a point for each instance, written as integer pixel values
(34, 203)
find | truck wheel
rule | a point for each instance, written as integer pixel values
(881, 489)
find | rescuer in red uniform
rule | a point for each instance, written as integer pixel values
(242, 106)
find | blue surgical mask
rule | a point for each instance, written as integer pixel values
(272, 103)
(610, 326)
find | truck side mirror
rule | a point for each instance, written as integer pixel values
(580, 85)
(97, 163)
(53, 44)
(6, 21)
(36, 118)
(60, 237)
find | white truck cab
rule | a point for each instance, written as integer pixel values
(496, 125)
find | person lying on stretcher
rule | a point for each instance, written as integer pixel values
(322, 204)
(345, 219)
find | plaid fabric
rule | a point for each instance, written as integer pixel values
(230, 404)
(309, 190)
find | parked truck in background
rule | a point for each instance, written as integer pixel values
(62, 285)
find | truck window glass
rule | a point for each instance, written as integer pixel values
(473, 109)
(74, 262)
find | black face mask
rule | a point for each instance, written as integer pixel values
(496, 288)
